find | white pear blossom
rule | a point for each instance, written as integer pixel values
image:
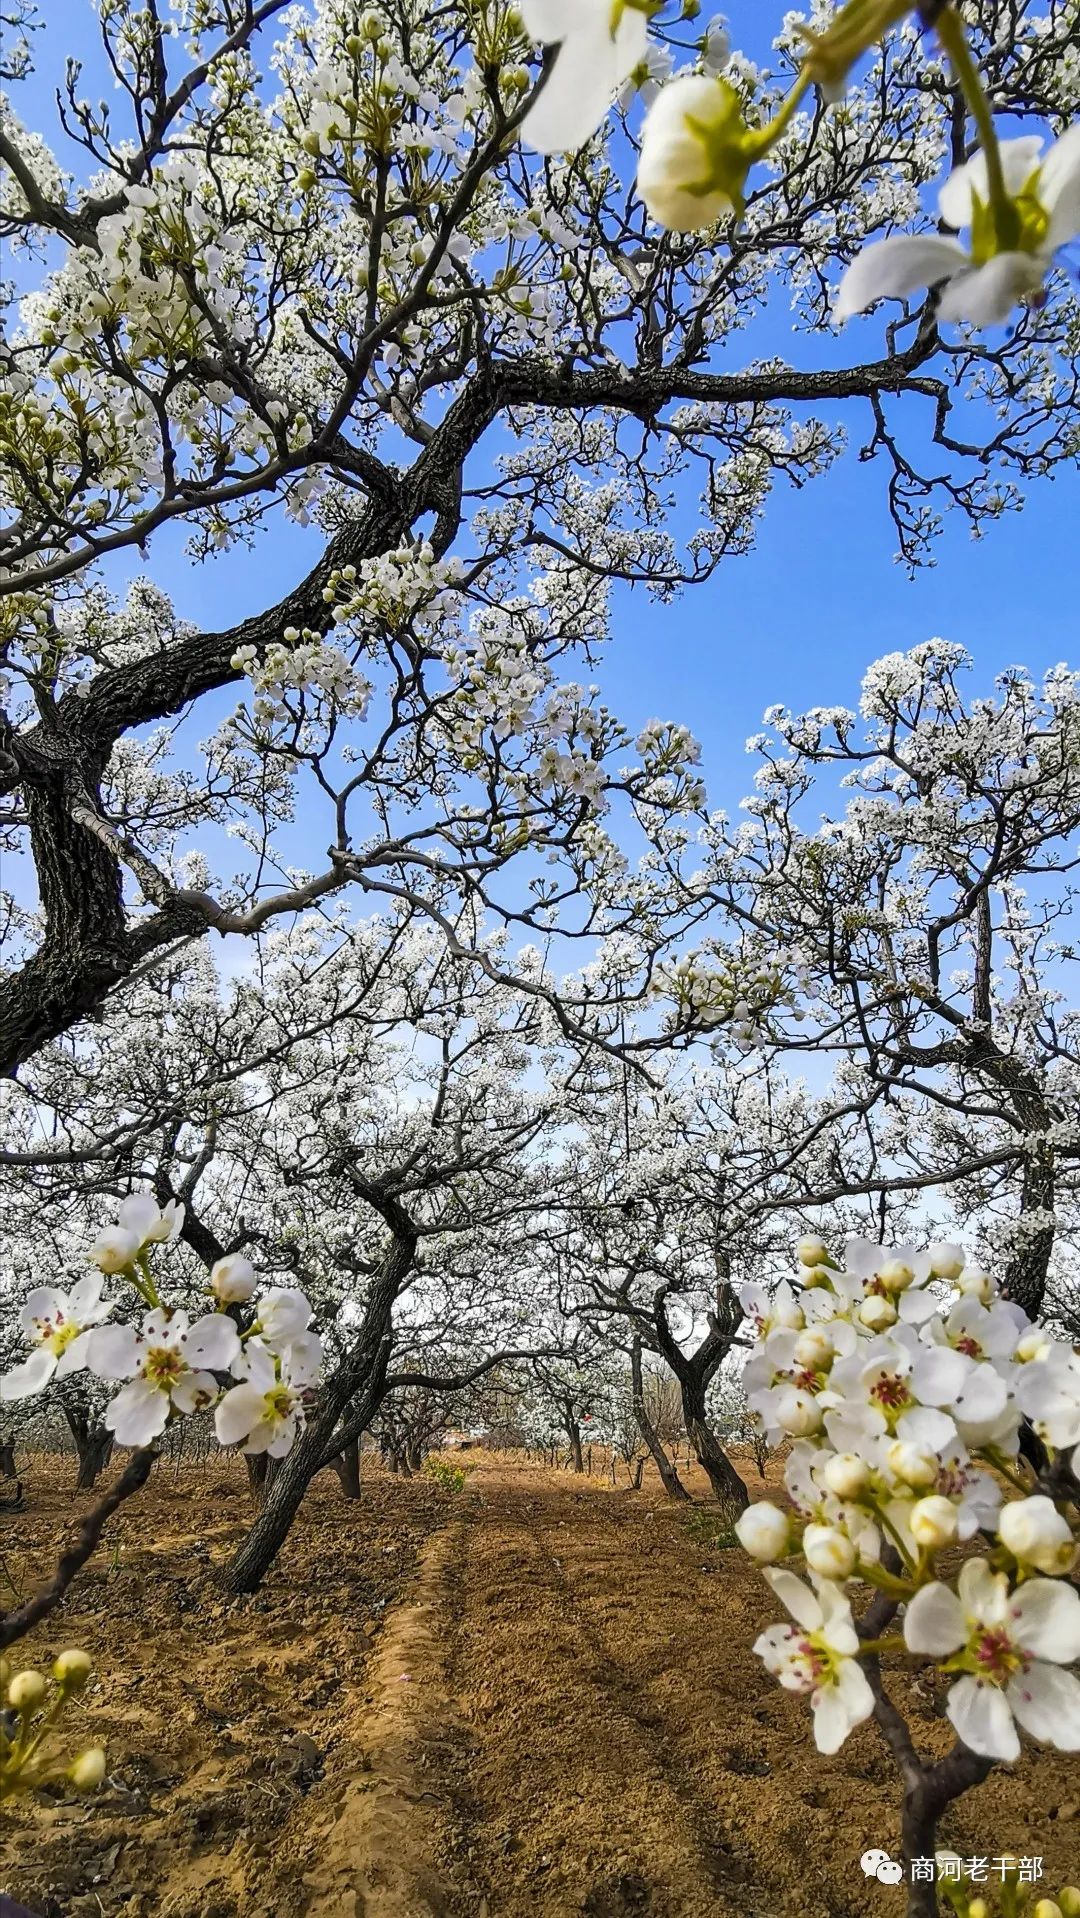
(600, 42)
(690, 172)
(983, 281)
(59, 1325)
(264, 1412)
(150, 1223)
(816, 1655)
(233, 1279)
(764, 1531)
(169, 1364)
(1010, 1647)
(1037, 1534)
(282, 1315)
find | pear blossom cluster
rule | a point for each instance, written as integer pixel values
(33, 1704)
(253, 1360)
(902, 1379)
(302, 661)
(699, 143)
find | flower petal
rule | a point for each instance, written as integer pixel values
(239, 1411)
(29, 1377)
(1046, 1702)
(589, 69)
(1019, 159)
(892, 268)
(1046, 1619)
(796, 1597)
(979, 1714)
(1059, 187)
(213, 1342)
(934, 1622)
(113, 1352)
(839, 1707)
(986, 295)
(137, 1414)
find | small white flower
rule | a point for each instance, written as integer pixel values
(283, 1314)
(168, 1363)
(816, 1655)
(265, 1411)
(115, 1249)
(1036, 1534)
(933, 1521)
(599, 45)
(1010, 1646)
(233, 1279)
(828, 1551)
(763, 1530)
(982, 282)
(58, 1324)
(150, 1223)
(691, 171)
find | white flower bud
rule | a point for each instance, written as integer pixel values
(828, 1552)
(812, 1252)
(877, 1313)
(26, 1692)
(911, 1466)
(895, 1276)
(1034, 1346)
(816, 1276)
(1036, 1534)
(933, 1521)
(233, 1279)
(797, 1413)
(946, 1261)
(813, 1348)
(88, 1770)
(72, 1669)
(115, 1249)
(974, 1283)
(846, 1475)
(763, 1530)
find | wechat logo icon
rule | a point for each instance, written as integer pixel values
(877, 1864)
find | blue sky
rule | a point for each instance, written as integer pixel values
(796, 621)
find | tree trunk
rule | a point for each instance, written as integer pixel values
(573, 1430)
(261, 1472)
(93, 1446)
(347, 1467)
(727, 1487)
(669, 1477)
(7, 1459)
(360, 1381)
(414, 1455)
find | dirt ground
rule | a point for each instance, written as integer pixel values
(533, 1697)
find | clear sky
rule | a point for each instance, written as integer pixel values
(796, 621)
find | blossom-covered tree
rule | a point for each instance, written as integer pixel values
(324, 278)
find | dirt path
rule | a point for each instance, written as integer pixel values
(535, 1699)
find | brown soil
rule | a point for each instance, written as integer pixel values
(536, 1697)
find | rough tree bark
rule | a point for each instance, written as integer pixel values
(359, 1382)
(694, 1373)
(93, 1446)
(669, 1477)
(347, 1467)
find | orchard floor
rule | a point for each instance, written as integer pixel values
(532, 1699)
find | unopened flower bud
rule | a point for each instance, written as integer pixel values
(815, 1277)
(813, 1348)
(1069, 1900)
(828, 1552)
(1036, 1534)
(72, 1669)
(974, 1283)
(763, 1530)
(798, 1413)
(933, 1521)
(912, 1466)
(846, 1475)
(946, 1261)
(1047, 1908)
(895, 1276)
(26, 1692)
(1034, 1346)
(978, 1908)
(812, 1252)
(115, 1249)
(877, 1313)
(233, 1279)
(88, 1770)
